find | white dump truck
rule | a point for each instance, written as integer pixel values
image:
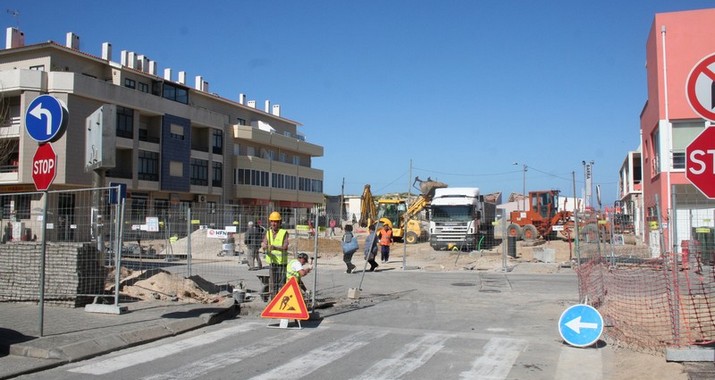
(460, 219)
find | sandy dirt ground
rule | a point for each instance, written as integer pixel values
(624, 363)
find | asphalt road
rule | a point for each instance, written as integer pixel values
(411, 325)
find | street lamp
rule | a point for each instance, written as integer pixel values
(587, 179)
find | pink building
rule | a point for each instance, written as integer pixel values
(676, 43)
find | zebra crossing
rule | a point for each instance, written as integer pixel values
(378, 353)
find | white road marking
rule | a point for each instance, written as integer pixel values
(312, 360)
(496, 362)
(105, 366)
(409, 358)
(202, 367)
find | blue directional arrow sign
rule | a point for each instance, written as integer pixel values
(45, 119)
(580, 325)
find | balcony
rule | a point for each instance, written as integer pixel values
(292, 144)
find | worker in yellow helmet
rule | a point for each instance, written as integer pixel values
(275, 246)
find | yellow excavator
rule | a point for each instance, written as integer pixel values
(395, 212)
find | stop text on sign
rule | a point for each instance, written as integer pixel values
(43, 166)
(698, 162)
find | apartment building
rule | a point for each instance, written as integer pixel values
(676, 43)
(176, 143)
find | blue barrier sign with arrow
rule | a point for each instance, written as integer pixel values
(45, 119)
(580, 325)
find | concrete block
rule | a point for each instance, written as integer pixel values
(353, 293)
(545, 255)
(690, 354)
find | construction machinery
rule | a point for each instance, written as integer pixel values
(541, 219)
(461, 219)
(396, 213)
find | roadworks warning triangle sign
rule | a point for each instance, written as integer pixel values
(287, 304)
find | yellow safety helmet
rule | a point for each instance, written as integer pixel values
(275, 216)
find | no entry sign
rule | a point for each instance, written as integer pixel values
(700, 88)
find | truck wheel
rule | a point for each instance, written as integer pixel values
(411, 238)
(514, 230)
(530, 232)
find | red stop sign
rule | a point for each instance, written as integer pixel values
(44, 166)
(700, 162)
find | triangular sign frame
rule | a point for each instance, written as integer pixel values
(287, 304)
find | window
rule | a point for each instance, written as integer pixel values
(199, 172)
(236, 149)
(251, 177)
(22, 207)
(161, 208)
(176, 169)
(217, 141)
(175, 93)
(176, 132)
(282, 157)
(144, 87)
(683, 135)
(139, 207)
(38, 68)
(125, 122)
(296, 160)
(148, 165)
(130, 83)
(250, 151)
(217, 174)
(241, 121)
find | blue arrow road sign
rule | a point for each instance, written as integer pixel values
(45, 119)
(581, 325)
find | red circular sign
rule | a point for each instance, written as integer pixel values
(700, 162)
(44, 166)
(700, 88)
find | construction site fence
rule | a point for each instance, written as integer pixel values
(63, 247)
(655, 290)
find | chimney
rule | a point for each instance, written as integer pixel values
(132, 60)
(124, 58)
(242, 99)
(72, 41)
(267, 106)
(107, 51)
(205, 86)
(152, 67)
(142, 63)
(167, 73)
(14, 38)
(199, 82)
(252, 103)
(182, 77)
(277, 110)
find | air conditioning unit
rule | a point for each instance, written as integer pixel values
(201, 198)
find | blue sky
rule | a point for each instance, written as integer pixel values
(454, 90)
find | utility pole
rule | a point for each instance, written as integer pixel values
(342, 203)
(524, 187)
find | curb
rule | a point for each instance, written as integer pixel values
(94, 347)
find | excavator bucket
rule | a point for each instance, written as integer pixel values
(428, 187)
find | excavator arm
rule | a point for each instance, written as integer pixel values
(368, 211)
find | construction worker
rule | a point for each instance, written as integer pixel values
(297, 268)
(275, 247)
